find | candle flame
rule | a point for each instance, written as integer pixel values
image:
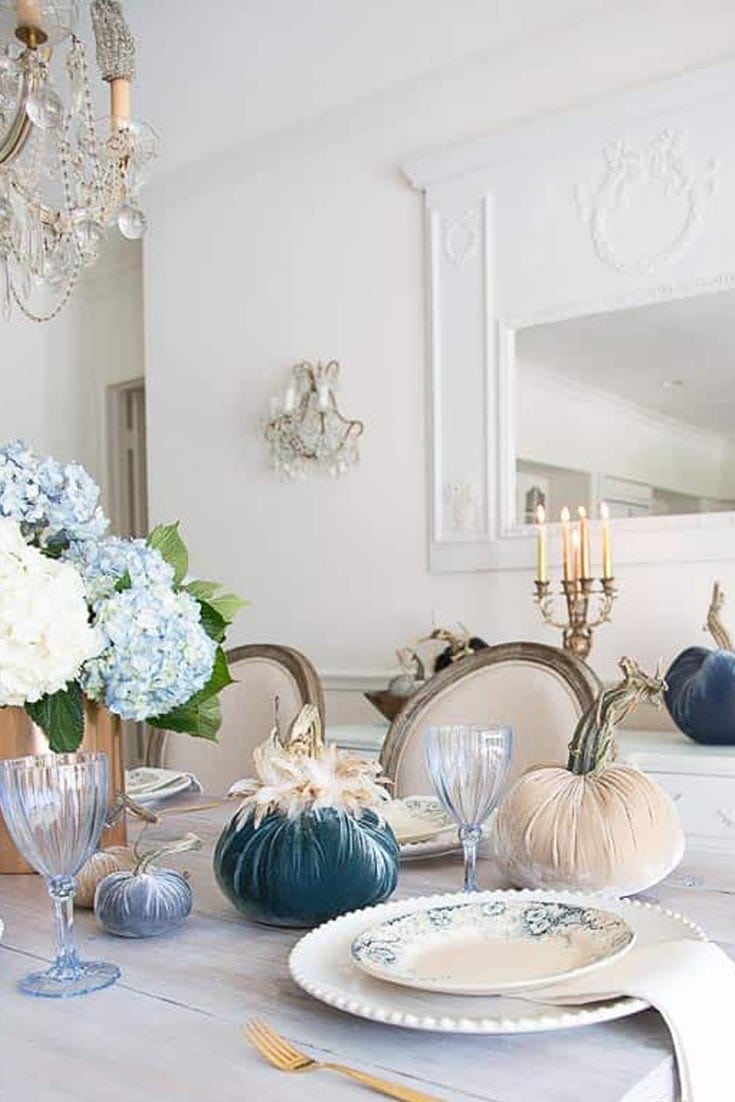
(565, 515)
(581, 512)
(540, 515)
(605, 511)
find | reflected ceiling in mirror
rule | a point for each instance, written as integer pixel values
(635, 408)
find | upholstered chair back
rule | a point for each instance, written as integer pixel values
(261, 673)
(537, 690)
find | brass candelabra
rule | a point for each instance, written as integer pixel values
(583, 596)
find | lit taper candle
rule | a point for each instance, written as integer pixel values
(576, 556)
(566, 552)
(607, 569)
(584, 542)
(542, 572)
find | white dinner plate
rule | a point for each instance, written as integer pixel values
(469, 948)
(320, 964)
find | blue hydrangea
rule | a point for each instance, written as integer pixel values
(157, 654)
(103, 562)
(50, 500)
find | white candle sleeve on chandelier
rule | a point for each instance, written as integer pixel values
(29, 14)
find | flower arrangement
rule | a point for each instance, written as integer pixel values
(87, 614)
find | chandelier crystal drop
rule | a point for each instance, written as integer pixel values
(306, 428)
(66, 177)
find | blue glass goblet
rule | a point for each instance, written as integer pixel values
(468, 766)
(54, 807)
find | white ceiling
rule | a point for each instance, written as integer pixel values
(214, 75)
(633, 353)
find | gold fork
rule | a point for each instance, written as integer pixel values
(285, 1057)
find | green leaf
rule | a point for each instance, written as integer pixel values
(219, 678)
(54, 550)
(201, 715)
(228, 605)
(166, 539)
(61, 718)
(213, 623)
(201, 719)
(123, 583)
(202, 590)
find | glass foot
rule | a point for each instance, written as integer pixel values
(64, 983)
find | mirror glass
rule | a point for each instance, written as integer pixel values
(635, 408)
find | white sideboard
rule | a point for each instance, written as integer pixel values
(700, 779)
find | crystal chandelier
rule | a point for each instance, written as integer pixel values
(65, 177)
(306, 428)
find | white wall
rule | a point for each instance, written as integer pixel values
(56, 374)
(26, 356)
(309, 244)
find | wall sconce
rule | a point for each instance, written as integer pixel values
(306, 428)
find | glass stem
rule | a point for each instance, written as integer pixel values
(470, 836)
(62, 890)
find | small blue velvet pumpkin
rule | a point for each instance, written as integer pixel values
(305, 869)
(142, 904)
(701, 695)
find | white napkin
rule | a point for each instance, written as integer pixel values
(692, 985)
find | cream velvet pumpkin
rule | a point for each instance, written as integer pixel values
(615, 830)
(597, 825)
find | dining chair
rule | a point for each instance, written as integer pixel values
(262, 672)
(537, 690)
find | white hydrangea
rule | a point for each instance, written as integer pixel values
(45, 635)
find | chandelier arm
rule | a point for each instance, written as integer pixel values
(21, 128)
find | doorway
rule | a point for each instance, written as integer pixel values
(128, 501)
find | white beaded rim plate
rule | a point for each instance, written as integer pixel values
(505, 945)
(320, 964)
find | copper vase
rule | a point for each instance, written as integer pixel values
(19, 737)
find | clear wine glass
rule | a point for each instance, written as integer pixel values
(468, 765)
(54, 807)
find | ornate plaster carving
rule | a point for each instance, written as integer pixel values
(656, 197)
(462, 238)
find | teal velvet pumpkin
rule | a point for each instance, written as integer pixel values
(700, 695)
(304, 870)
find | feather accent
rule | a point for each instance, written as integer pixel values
(291, 782)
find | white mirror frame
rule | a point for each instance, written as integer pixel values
(524, 227)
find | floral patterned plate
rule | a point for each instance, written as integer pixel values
(488, 948)
(442, 843)
(416, 819)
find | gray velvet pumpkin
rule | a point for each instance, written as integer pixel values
(145, 901)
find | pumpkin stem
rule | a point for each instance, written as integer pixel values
(593, 743)
(306, 735)
(714, 625)
(122, 803)
(178, 845)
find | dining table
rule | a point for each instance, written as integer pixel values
(172, 1027)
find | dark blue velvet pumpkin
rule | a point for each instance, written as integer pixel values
(701, 695)
(304, 870)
